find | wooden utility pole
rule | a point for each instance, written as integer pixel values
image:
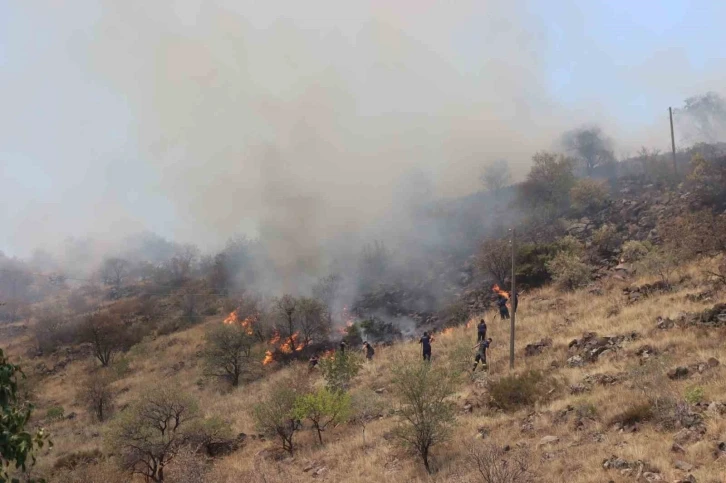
(673, 142)
(512, 305)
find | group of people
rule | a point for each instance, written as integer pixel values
(482, 342)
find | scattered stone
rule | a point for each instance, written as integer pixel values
(537, 347)
(678, 373)
(578, 388)
(686, 436)
(308, 467)
(650, 476)
(687, 479)
(684, 466)
(547, 440)
(468, 407)
(677, 448)
(664, 324)
(575, 361)
(712, 362)
(380, 390)
(320, 471)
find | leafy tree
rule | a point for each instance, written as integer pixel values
(634, 250)
(339, 369)
(426, 414)
(702, 117)
(107, 335)
(150, 433)
(495, 259)
(96, 393)
(323, 407)
(496, 175)
(568, 270)
(228, 351)
(547, 187)
(589, 195)
(17, 444)
(591, 147)
(661, 262)
(365, 405)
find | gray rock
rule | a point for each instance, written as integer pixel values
(683, 465)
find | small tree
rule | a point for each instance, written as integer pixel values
(661, 262)
(17, 444)
(495, 259)
(107, 335)
(366, 405)
(547, 187)
(276, 414)
(150, 433)
(606, 239)
(590, 146)
(96, 393)
(323, 407)
(426, 415)
(634, 250)
(339, 369)
(114, 270)
(287, 308)
(588, 195)
(228, 352)
(569, 271)
(313, 320)
(496, 175)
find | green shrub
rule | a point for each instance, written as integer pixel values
(121, 367)
(694, 395)
(589, 195)
(518, 390)
(661, 262)
(339, 368)
(54, 413)
(323, 408)
(569, 271)
(606, 239)
(634, 251)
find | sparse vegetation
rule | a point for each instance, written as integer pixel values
(97, 395)
(512, 392)
(569, 271)
(425, 412)
(339, 369)
(276, 414)
(150, 433)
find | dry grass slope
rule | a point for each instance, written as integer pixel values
(581, 423)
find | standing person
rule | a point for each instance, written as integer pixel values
(425, 342)
(313, 362)
(481, 331)
(369, 350)
(343, 345)
(481, 354)
(502, 304)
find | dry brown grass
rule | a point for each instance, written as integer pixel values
(577, 457)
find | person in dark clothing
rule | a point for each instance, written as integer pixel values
(369, 350)
(343, 345)
(502, 304)
(481, 354)
(425, 342)
(481, 331)
(313, 362)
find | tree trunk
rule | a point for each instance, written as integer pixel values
(425, 458)
(320, 434)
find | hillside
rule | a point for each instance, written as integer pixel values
(618, 373)
(565, 438)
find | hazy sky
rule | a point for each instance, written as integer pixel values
(201, 119)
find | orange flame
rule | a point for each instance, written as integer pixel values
(468, 324)
(290, 344)
(447, 331)
(231, 318)
(275, 338)
(268, 358)
(499, 291)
